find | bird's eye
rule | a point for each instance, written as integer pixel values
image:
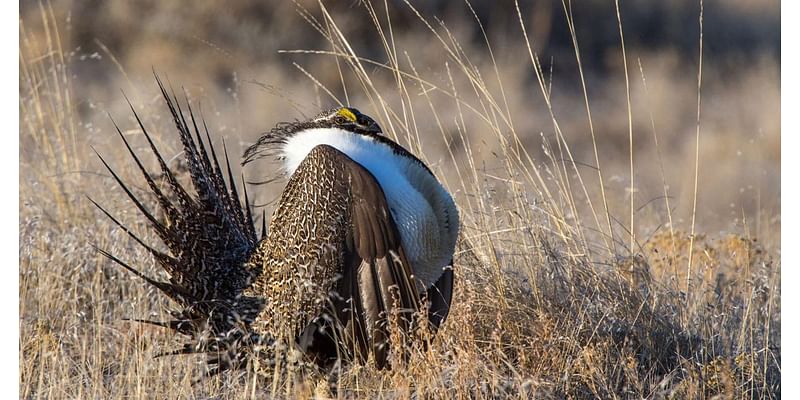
(340, 120)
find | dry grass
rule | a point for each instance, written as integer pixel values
(555, 298)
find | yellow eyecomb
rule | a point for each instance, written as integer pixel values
(345, 112)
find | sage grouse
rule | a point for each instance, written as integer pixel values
(360, 243)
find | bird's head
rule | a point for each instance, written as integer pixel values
(349, 119)
(342, 118)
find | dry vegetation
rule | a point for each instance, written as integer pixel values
(556, 295)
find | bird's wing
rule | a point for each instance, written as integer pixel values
(209, 235)
(375, 284)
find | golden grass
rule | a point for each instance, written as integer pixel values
(555, 297)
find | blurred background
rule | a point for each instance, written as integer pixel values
(238, 62)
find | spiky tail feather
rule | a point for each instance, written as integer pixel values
(211, 238)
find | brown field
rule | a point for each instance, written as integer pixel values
(609, 247)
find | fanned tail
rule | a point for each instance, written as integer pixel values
(210, 237)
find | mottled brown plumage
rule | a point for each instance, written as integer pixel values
(341, 243)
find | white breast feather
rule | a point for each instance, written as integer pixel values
(424, 212)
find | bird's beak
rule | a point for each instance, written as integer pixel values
(374, 128)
